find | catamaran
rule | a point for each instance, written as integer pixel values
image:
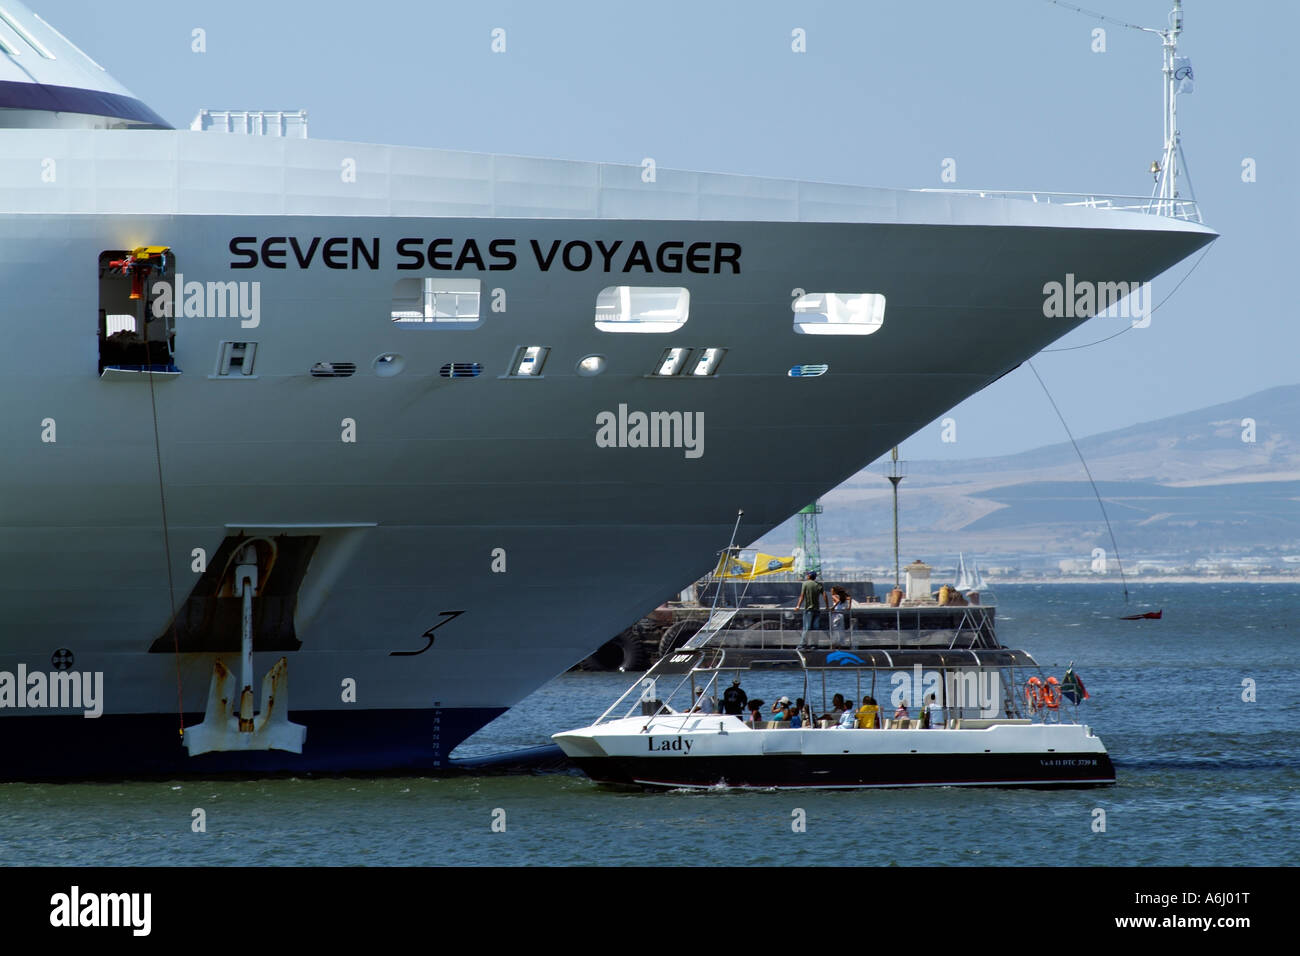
(985, 715)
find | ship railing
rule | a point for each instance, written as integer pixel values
(1008, 705)
(781, 627)
(1183, 209)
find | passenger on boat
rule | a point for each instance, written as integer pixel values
(901, 713)
(840, 607)
(734, 699)
(837, 709)
(756, 711)
(848, 720)
(799, 717)
(869, 713)
(781, 709)
(812, 597)
(704, 704)
(931, 715)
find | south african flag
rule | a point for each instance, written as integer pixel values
(1072, 688)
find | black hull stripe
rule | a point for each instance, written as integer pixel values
(829, 773)
(68, 99)
(670, 785)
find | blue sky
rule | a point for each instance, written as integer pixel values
(887, 89)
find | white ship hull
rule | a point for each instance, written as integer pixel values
(447, 480)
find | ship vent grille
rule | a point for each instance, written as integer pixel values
(461, 370)
(808, 371)
(333, 369)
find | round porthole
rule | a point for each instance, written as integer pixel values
(591, 365)
(389, 364)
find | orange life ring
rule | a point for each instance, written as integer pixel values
(1052, 694)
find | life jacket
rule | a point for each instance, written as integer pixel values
(1034, 694)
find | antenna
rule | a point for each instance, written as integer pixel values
(1166, 199)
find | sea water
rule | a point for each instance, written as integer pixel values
(1199, 712)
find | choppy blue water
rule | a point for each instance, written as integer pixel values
(1204, 776)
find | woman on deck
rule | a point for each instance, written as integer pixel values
(840, 607)
(869, 714)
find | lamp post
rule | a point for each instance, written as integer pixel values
(897, 472)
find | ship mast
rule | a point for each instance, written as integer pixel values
(1165, 196)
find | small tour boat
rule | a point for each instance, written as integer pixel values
(977, 721)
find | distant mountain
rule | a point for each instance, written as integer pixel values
(1188, 485)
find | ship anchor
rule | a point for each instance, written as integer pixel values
(227, 728)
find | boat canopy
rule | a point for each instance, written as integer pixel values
(757, 658)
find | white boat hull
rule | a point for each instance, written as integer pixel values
(719, 751)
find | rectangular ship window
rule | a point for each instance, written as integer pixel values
(119, 323)
(839, 313)
(671, 362)
(235, 359)
(528, 361)
(436, 302)
(626, 308)
(707, 361)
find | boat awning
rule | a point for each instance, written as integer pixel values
(755, 658)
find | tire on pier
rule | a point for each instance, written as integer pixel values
(627, 652)
(677, 635)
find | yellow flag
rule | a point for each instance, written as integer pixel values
(733, 566)
(770, 564)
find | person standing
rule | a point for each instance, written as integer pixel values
(734, 699)
(812, 598)
(841, 604)
(931, 715)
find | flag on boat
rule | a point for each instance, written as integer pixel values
(1072, 688)
(1183, 74)
(771, 564)
(734, 567)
